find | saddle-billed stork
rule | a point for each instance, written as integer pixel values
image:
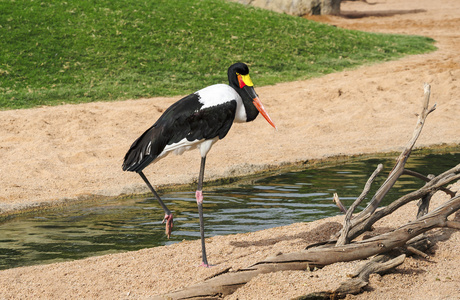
(196, 121)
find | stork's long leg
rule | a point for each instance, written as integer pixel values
(168, 215)
(199, 202)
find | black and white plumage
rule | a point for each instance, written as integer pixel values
(196, 121)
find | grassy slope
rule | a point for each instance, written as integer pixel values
(56, 52)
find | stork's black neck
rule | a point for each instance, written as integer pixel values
(247, 94)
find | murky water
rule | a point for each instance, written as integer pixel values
(131, 224)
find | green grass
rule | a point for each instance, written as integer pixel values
(55, 52)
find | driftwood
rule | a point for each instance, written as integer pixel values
(343, 239)
(398, 169)
(378, 264)
(345, 249)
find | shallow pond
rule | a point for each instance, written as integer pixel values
(131, 224)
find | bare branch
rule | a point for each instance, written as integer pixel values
(343, 239)
(417, 175)
(424, 204)
(453, 224)
(367, 187)
(400, 162)
(417, 252)
(427, 179)
(339, 203)
(419, 245)
(378, 244)
(378, 264)
(355, 285)
(434, 184)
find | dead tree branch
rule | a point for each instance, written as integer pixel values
(364, 221)
(339, 203)
(379, 264)
(427, 179)
(378, 244)
(424, 204)
(433, 185)
(400, 162)
(453, 224)
(343, 239)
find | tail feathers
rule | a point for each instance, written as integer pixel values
(143, 151)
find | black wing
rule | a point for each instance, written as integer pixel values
(183, 119)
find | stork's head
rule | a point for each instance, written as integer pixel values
(238, 77)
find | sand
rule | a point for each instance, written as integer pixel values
(61, 154)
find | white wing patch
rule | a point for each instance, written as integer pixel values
(220, 93)
(217, 94)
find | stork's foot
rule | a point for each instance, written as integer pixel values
(169, 224)
(205, 265)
